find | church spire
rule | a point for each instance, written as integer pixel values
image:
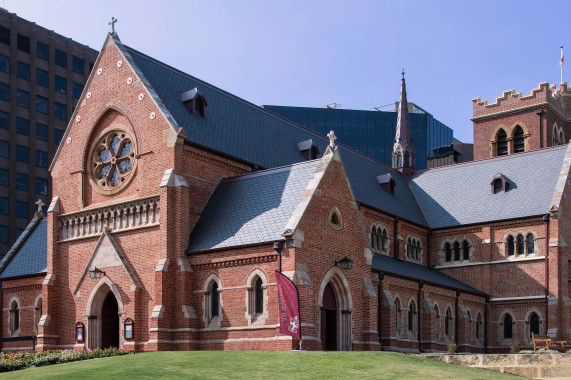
(403, 150)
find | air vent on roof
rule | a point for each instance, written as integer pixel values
(387, 183)
(499, 183)
(195, 101)
(308, 149)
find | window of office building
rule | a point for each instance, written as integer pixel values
(4, 149)
(24, 43)
(4, 177)
(41, 131)
(59, 110)
(4, 64)
(41, 104)
(3, 234)
(23, 70)
(41, 159)
(61, 58)
(76, 90)
(78, 65)
(4, 206)
(4, 35)
(23, 98)
(22, 209)
(22, 153)
(4, 92)
(22, 126)
(60, 84)
(41, 186)
(4, 120)
(42, 51)
(58, 135)
(42, 78)
(22, 181)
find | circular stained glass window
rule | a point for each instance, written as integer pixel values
(113, 160)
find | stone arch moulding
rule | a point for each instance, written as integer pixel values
(526, 135)
(500, 330)
(93, 310)
(527, 328)
(336, 278)
(250, 313)
(494, 139)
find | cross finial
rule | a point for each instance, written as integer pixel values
(332, 138)
(402, 73)
(40, 204)
(112, 23)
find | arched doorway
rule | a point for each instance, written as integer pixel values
(110, 322)
(329, 320)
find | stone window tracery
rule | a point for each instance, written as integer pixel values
(379, 238)
(413, 249)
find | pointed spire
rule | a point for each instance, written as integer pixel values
(403, 150)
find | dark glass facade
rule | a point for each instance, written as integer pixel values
(371, 132)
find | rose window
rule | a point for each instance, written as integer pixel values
(113, 160)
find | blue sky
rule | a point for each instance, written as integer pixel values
(312, 53)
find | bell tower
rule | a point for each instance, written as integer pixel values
(403, 150)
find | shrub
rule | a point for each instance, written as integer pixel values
(513, 347)
(451, 348)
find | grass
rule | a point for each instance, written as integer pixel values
(256, 365)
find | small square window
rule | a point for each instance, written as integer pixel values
(4, 35)
(60, 110)
(76, 90)
(41, 186)
(4, 177)
(23, 70)
(22, 126)
(4, 92)
(4, 206)
(3, 234)
(42, 51)
(4, 149)
(60, 84)
(23, 98)
(4, 120)
(42, 78)
(61, 58)
(22, 181)
(58, 135)
(4, 64)
(78, 65)
(41, 104)
(41, 131)
(22, 153)
(22, 209)
(24, 43)
(41, 159)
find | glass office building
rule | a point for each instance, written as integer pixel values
(372, 132)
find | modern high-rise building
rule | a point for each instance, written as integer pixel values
(42, 75)
(372, 132)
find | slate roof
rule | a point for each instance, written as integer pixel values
(246, 131)
(28, 255)
(252, 208)
(461, 194)
(389, 265)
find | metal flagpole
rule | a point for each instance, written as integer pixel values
(561, 63)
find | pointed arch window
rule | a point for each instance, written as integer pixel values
(510, 248)
(448, 323)
(374, 238)
(385, 241)
(520, 244)
(259, 294)
(530, 243)
(508, 331)
(447, 252)
(465, 250)
(14, 318)
(479, 326)
(412, 317)
(437, 322)
(398, 317)
(456, 251)
(533, 324)
(214, 300)
(519, 145)
(502, 143)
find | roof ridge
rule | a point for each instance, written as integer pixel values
(268, 171)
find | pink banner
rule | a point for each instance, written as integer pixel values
(288, 306)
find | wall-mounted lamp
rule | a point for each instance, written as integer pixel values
(96, 273)
(344, 263)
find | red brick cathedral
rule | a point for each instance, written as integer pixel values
(175, 202)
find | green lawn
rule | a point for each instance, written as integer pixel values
(256, 365)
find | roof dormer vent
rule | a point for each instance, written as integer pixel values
(308, 148)
(499, 184)
(387, 182)
(195, 101)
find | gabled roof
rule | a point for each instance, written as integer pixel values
(28, 255)
(248, 132)
(460, 194)
(389, 265)
(252, 208)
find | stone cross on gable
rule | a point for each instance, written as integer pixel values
(332, 138)
(112, 23)
(40, 204)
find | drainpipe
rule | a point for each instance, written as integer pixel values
(539, 112)
(486, 324)
(419, 322)
(395, 240)
(278, 246)
(457, 318)
(546, 221)
(380, 307)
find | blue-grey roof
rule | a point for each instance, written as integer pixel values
(461, 194)
(419, 272)
(246, 131)
(252, 208)
(28, 255)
